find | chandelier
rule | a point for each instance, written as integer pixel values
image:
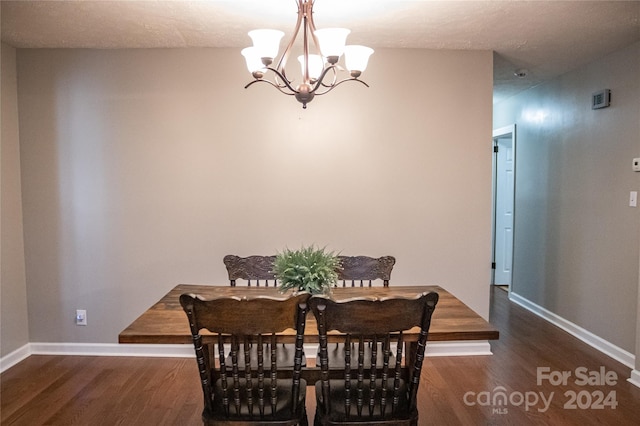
(319, 61)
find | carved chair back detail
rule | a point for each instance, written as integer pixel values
(377, 390)
(253, 269)
(363, 270)
(355, 271)
(253, 388)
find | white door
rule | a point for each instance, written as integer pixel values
(504, 192)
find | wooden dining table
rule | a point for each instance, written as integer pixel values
(166, 323)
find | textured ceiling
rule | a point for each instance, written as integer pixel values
(547, 38)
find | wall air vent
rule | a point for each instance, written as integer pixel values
(601, 99)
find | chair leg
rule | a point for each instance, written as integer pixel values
(305, 420)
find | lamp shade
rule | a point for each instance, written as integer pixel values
(332, 41)
(266, 42)
(254, 63)
(356, 57)
(316, 64)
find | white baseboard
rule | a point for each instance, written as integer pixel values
(459, 348)
(586, 336)
(11, 359)
(462, 348)
(635, 378)
(113, 349)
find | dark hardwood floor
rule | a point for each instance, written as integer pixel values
(83, 390)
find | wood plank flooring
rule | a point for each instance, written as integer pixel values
(83, 390)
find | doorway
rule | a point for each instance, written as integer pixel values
(504, 164)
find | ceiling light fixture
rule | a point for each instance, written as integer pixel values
(319, 69)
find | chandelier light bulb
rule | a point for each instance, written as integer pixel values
(332, 41)
(316, 64)
(356, 58)
(266, 42)
(251, 56)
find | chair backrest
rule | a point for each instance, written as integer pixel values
(252, 269)
(248, 387)
(372, 390)
(363, 270)
(355, 270)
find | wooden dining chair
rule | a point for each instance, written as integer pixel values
(361, 271)
(380, 391)
(364, 270)
(255, 270)
(248, 391)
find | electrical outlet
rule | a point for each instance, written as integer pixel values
(81, 317)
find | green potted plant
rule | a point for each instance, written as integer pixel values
(309, 269)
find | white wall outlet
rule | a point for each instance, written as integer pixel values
(81, 317)
(636, 164)
(633, 199)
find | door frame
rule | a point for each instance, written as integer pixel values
(497, 134)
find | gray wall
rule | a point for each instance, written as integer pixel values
(13, 293)
(141, 169)
(576, 238)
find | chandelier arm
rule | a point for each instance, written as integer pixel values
(305, 48)
(284, 79)
(281, 80)
(287, 51)
(319, 81)
(312, 28)
(333, 81)
(280, 88)
(330, 88)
